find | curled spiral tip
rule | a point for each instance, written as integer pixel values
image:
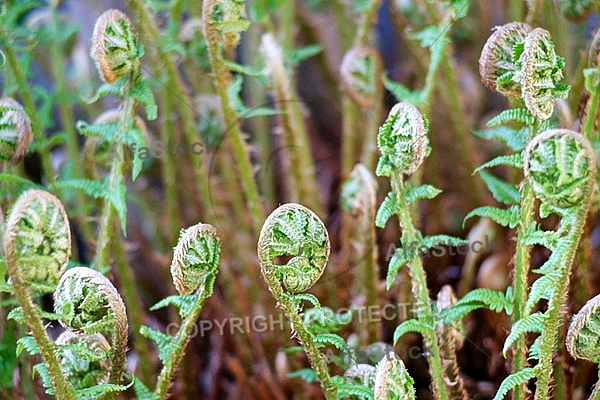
(15, 131)
(89, 303)
(496, 58)
(196, 259)
(226, 12)
(37, 240)
(392, 380)
(115, 47)
(576, 10)
(402, 140)
(293, 231)
(363, 373)
(583, 336)
(359, 71)
(84, 370)
(560, 165)
(539, 74)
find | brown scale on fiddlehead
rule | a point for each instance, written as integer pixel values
(15, 131)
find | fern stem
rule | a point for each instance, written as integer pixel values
(36, 122)
(179, 344)
(419, 288)
(520, 280)
(62, 389)
(552, 319)
(115, 179)
(134, 307)
(223, 79)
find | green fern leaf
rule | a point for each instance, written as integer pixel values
(398, 260)
(410, 325)
(185, 303)
(241, 109)
(100, 190)
(479, 298)
(541, 289)
(505, 217)
(531, 323)
(516, 139)
(388, 207)
(107, 131)
(401, 92)
(43, 372)
(142, 392)
(418, 192)
(519, 115)
(534, 236)
(502, 191)
(28, 343)
(98, 391)
(306, 374)
(513, 160)
(323, 339)
(164, 342)
(142, 93)
(298, 298)
(108, 89)
(513, 380)
(16, 314)
(346, 390)
(442, 240)
(534, 349)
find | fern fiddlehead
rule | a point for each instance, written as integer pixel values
(583, 336)
(15, 131)
(403, 144)
(115, 47)
(560, 167)
(392, 381)
(89, 303)
(37, 247)
(194, 270)
(294, 231)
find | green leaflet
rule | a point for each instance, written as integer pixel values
(502, 191)
(505, 217)
(511, 381)
(531, 323)
(164, 342)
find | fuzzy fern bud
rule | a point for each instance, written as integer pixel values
(583, 336)
(560, 166)
(115, 46)
(392, 381)
(539, 74)
(196, 259)
(37, 240)
(496, 64)
(402, 140)
(15, 131)
(358, 73)
(89, 303)
(84, 359)
(229, 18)
(294, 231)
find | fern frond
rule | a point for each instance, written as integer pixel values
(27, 343)
(512, 115)
(142, 93)
(164, 342)
(185, 303)
(504, 217)
(511, 381)
(411, 325)
(502, 191)
(419, 192)
(323, 339)
(516, 139)
(531, 323)
(513, 160)
(479, 298)
(389, 206)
